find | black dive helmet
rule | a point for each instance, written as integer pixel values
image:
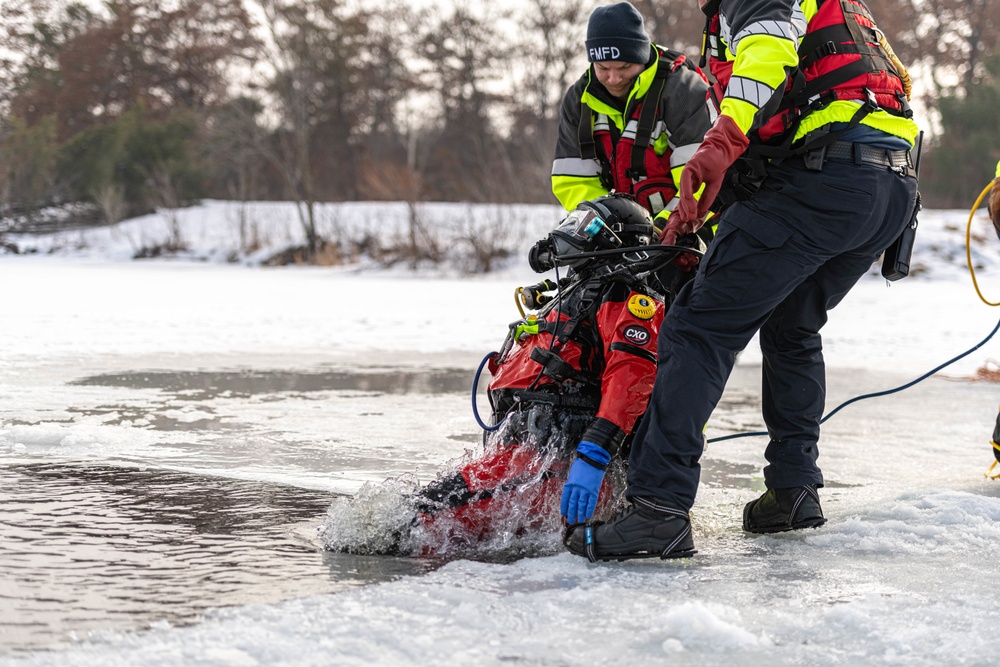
(606, 223)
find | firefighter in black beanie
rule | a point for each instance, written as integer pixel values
(630, 123)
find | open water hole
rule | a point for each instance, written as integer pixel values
(95, 546)
(91, 546)
(86, 547)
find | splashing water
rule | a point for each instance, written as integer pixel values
(521, 517)
(500, 504)
(374, 521)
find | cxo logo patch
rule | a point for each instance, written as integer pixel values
(599, 53)
(636, 335)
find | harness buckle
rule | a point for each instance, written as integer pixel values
(870, 102)
(827, 49)
(904, 105)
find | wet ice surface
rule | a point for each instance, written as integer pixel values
(320, 428)
(150, 511)
(158, 536)
(204, 385)
(903, 573)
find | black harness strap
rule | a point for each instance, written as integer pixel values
(842, 39)
(555, 367)
(849, 37)
(585, 133)
(650, 109)
(590, 149)
(587, 400)
(644, 129)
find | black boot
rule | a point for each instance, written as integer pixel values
(784, 509)
(645, 529)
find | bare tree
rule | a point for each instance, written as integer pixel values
(948, 41)
(548, 56)
(676, 24)
(335, 88)
(460, 161)
(161, 183)
(27, 164)
(293, 86)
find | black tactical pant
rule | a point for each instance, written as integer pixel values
(778, 263)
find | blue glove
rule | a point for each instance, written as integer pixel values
(579, 498)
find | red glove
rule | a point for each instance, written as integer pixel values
(723, 143)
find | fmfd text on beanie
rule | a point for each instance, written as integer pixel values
(616, 32)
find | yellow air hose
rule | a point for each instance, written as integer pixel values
(968, 245)
(517, 300)
(975, 283)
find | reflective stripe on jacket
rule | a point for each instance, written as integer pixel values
(772, 60)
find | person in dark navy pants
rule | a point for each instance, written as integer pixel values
(837, 187)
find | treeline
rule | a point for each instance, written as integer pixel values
(133, 105)
(145, 103)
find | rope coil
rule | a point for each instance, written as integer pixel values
(968, 245)
(904, 74)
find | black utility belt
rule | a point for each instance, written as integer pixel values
(844, 151)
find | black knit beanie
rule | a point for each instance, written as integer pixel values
(616, 32)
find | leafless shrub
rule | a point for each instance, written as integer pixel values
(110, 199)
(325, 254)
(164, 190)
(988, 372)
(489, 242)
(248, 228)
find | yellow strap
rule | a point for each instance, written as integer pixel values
(987, 473)
(968, 245)
(903, 73)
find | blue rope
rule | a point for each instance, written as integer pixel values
(475, 388)
(878, 393)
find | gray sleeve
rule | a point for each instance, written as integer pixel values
(568, 140)
(687, 119)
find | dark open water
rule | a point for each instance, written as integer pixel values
(97, 547)
(88, 546)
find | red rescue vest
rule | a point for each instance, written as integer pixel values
(630, 164)
(839, 59)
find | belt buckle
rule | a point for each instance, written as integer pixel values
(903, 157)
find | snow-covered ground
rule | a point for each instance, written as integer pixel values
(99, 354)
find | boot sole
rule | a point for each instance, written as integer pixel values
(784, 528)
(686, 553)
(637, 550)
